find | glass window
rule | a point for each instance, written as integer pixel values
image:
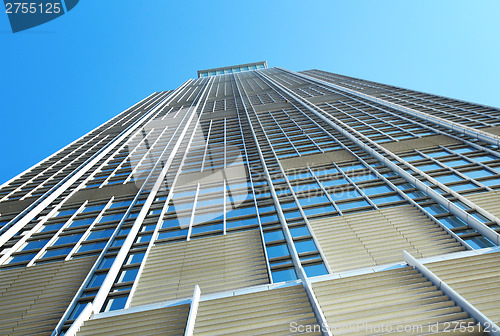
(207, 217)
(81, 222)
(363, 177)
(435, 209)
(479, 242)
(386, 199)
(352, 205)
(299, 231)
(172, 234)
(275, 251)
(452, 222)
(67, 212)
(315, 270)
(478, 173)
(93, 208)
(241, 211)
(100, 234)
(106, 262)
(35, 244)
(283, 275)
(110, 218)
(57, 252)
(448, 178)
(241, 222)
(92, 246)
(206, 228)
(115, 303)
(68, 239)
(120, 204)
(22, 257)
(319, 210)
(51, 227)
(431, 166)
(455, 163)
(80, 306)
(376, 190)
(128, 274)
(305, 246)
(314, 200)
(135, 258)
(273, 235)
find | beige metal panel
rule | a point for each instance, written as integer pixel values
(33, 299)
(489, 201)
(420, 143)
(162, 322)
(378, 237)
(401, 297)
(263, 313)
(172, 270)
(476, 279)
(339, 155)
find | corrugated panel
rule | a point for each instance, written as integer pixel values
(476, 279)
(378, 237)
(264, 313)
(215, 264)
(489, 201)
(360, 305)
(163, 322)
(33, 299)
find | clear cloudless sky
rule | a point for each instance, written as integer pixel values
(63, 78)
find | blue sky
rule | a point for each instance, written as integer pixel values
(62, 79)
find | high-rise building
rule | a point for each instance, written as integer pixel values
(256, 200)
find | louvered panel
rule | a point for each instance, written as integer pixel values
(33, 299)
(235, 261)
(399, 297)
(263, 313)
(489, 201)
(378, 237)
(476, 279)
(162, 322)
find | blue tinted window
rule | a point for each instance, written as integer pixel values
(144, 238)
(452, 222)
(342, 194)
(376, 190)
(478, 173)
(315, 270)
(100, 234)
(120, 204)
(81, 222)
(414, 157)
(319, 210)
(299, 231)
(135, 258)
(206, 228)
(325, 171)
(438, 153)
(206, 217)
(284, 275)
(363, 177)
(93, 208)
(110, 218)
(115, 303)
(448, 178)
(458, 162)
(68, 239)
(314, 200)
(97, 280)
(241, 212)
(435, 209)
(332, 183)
(50, 227)
(66, 212)
(305, 246)
(268, 219)
(479, 242)
(106, 262)
(172, 234)
(80, 306)
(176, 222)
(22, 257)
(273, 235)
(484, 158)
(92, 246)
(351, 205)
(277, 251)
(241, 222)
(128, 275)
(386, 199)
(35, 244)
(492, 182)
(57, 252)
(464, 186)
(427, 167)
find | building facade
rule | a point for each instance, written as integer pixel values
(256, 200)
